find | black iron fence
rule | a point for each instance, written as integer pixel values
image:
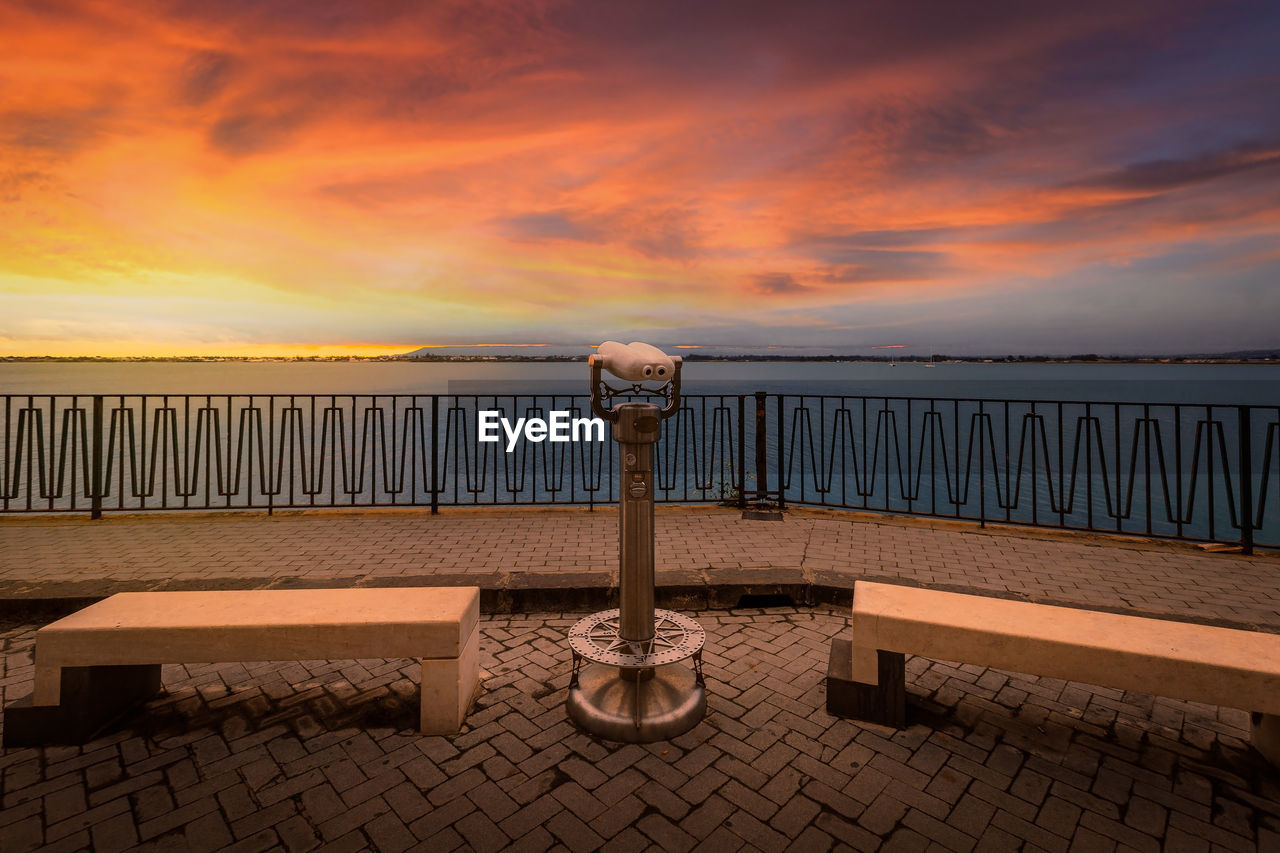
(1202, 472)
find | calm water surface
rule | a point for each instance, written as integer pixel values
(1254, 384)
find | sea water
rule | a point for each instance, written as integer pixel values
(1222, 384)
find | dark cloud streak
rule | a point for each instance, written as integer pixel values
(61, 132)
(244, 134)
(12, 184)
(206, 74)
(1170, 174)
(545, 226)
(870, 256)
(777, 283)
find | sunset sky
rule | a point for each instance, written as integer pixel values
(248, 177)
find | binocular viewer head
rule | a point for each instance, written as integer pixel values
(635, 362)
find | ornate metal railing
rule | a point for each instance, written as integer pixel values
(1202, 472)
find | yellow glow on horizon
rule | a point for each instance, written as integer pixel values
(464, 346)
(185, 349)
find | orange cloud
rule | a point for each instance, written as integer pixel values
(310, 174)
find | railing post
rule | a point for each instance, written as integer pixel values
(742, 451)
(95, 512)
(782, 499)
(762, 470)
(1246, 480)
(435, 453)
(982, 467)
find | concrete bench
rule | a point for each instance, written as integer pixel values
(1218, 666)
(96, 664)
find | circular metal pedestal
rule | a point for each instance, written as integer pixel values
(636, 692)
(604, 702)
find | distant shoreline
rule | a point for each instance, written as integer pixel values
(1267, 357)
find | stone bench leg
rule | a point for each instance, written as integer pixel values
(1266, 736)
(867, 684)
(449, 687)
(91, 698)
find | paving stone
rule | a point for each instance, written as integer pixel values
(583, 773)
(372, 788)
(666, 834)
(1059, 817)
(63, 803)
(706, 818)
(670, 803)
(264, 819)
(744, 798)
(661, 772)
(1146, 816)
(1028, 832)
(492, 802)
(575, 834)
(262, 840)
(866, 784)
(948, 785)
(1088, 841)
(708, 781)
(1086, 800)
(534, 814)
(883, 814)
(623, 784)
(578, 801)
(456, 786)
(26, 811)
(481, 833)
(1030, 786)
(536, 841)
(792, 819)
(846, 832)
(297, 835)
(630, 841)
(26, 834)
(721, 839)
(322, 804)
(940, 833)
(905, 840)
(755, 833)
(115, 833)
(1198, 829)
(208, 833)
(1005, 802)
(179, 817)
(338, 826)
(439, 821)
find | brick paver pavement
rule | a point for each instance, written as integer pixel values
(494, 549)
(322, 755)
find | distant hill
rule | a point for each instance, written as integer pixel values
(497, 350)
(579, 352)
(1241, 355)
(563, 352)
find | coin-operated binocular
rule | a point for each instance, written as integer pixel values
(628, 682)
